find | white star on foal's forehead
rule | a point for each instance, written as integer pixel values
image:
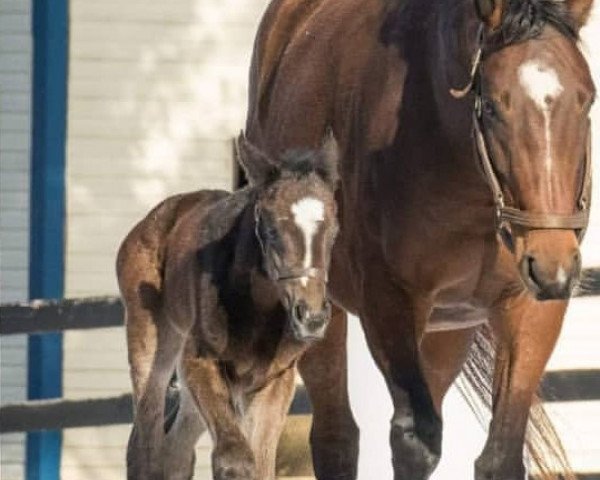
(540, 82)
(308, 212)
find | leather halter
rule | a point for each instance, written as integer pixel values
(507, 216)
(287, 274)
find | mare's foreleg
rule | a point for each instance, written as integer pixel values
(391, 321)
(334, 434)
(526, 332)
(232, 457)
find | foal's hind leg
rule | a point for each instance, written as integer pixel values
(151, 369)
(334, 434)
(181, 439)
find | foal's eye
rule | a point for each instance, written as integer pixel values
(488, 108)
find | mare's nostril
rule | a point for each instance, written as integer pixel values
(531, 271)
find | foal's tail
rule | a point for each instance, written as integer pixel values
(542, 444)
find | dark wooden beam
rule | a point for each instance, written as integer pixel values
(58, 414)
(45, 316)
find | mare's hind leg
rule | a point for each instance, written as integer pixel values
(181, 438)
(334, 434)
(391, 320)
(526, 332)
(232, 457)
(151, 368)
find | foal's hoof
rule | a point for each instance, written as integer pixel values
(234, 463)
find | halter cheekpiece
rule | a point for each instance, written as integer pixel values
(507, 216)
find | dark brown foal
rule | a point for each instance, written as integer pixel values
(228, 290)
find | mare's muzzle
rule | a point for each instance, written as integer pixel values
(549, 283)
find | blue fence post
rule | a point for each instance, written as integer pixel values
(46, 270)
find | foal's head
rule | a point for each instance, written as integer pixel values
(296, 225)
(533, 91)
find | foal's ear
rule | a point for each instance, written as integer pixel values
(329, 157)
(580, 11)
(490, 12)
(257, 165)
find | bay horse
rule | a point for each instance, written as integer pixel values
(463, 128)
(227, 289)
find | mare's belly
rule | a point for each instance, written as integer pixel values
(455, 317)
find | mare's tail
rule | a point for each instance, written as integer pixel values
(542, 445)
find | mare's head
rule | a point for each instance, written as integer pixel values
(296, 225)
(529, 106)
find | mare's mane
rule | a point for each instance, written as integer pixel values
(522, 20)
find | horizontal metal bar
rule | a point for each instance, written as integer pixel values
(57, 414)
(45, 316)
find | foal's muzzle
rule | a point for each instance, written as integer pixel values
(309, 324)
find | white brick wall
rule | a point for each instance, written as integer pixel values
(156, 91)
(15, 134)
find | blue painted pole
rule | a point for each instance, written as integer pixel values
(46, 270)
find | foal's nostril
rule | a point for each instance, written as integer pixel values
(299, 311)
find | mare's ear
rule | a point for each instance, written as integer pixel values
(490, 12)
(580, 11)
(329, 157)
(257, 165)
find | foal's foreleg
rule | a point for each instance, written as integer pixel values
(264, 420)
(334, 433)
(232, 457)
(526, 332)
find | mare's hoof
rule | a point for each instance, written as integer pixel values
(413, 459)
(486, 470)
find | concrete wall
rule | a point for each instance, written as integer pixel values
(15, 134)
(156, 92)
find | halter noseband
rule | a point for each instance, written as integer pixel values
(287, 274)
(508, 216)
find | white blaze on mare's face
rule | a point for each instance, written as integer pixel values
(542, 85)
(308, 212)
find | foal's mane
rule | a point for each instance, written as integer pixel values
(300, 163)
(522, 20)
